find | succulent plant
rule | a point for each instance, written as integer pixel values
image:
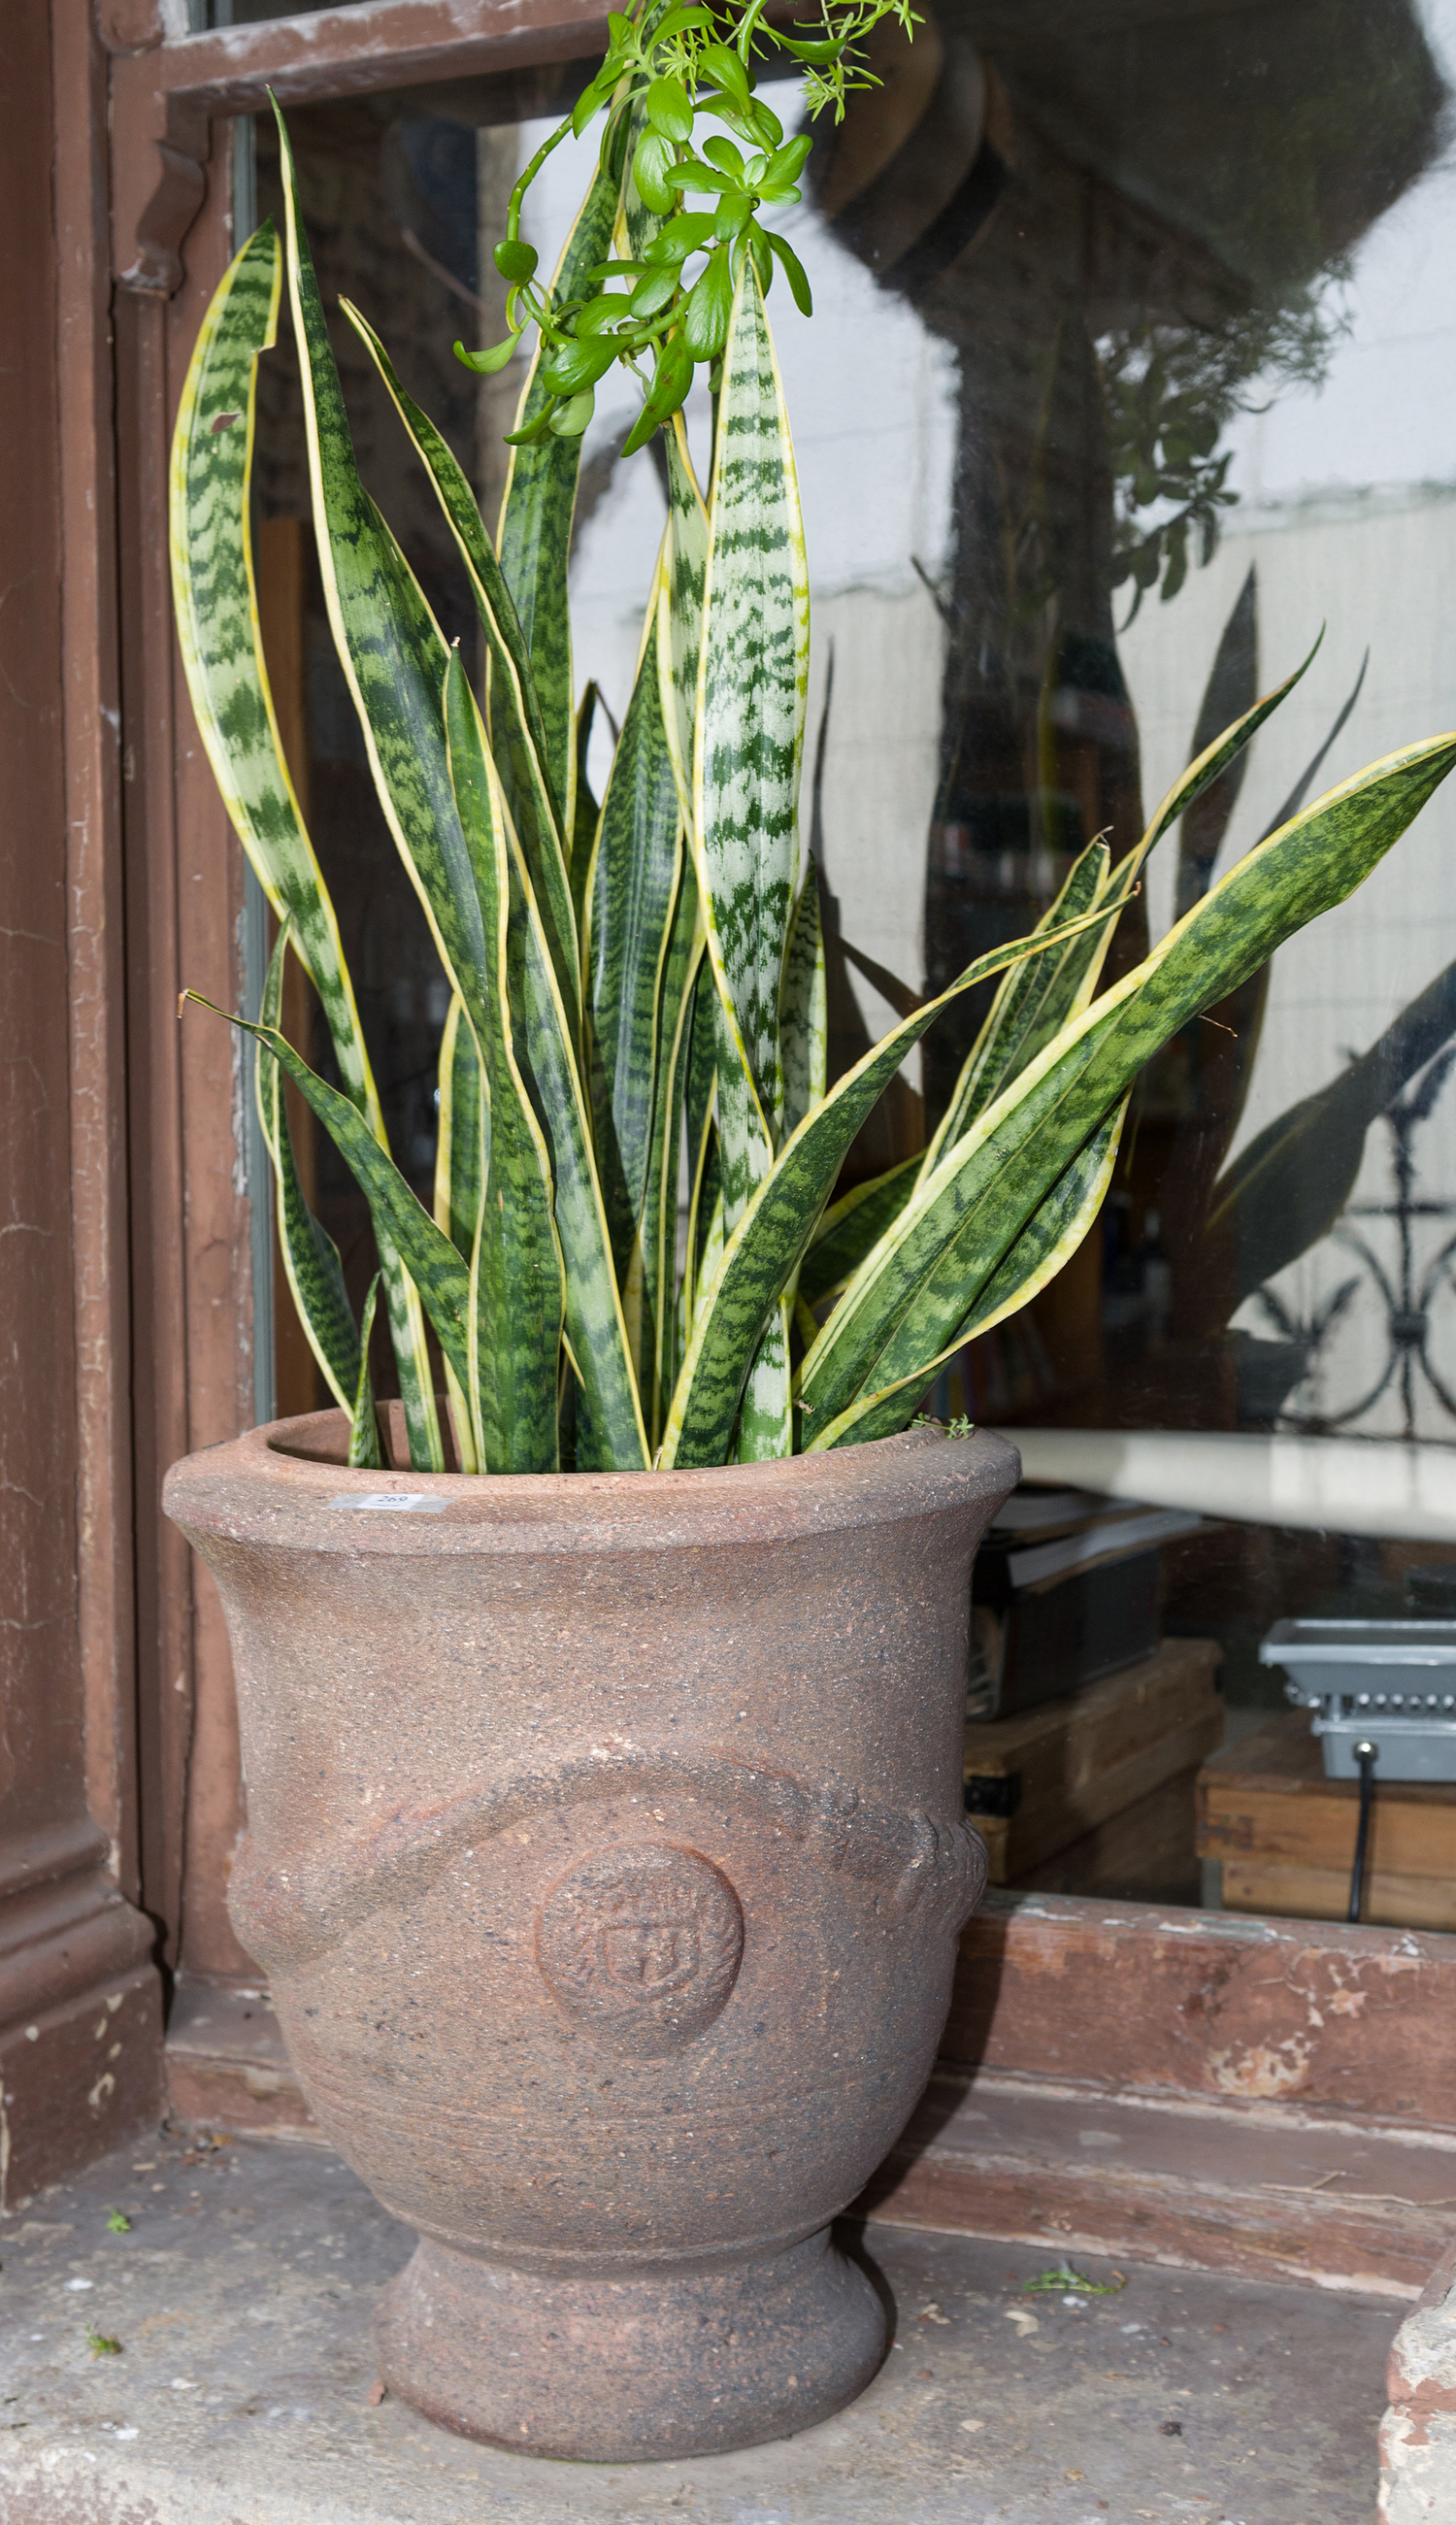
(636, 990)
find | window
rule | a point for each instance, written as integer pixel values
(1130, 372)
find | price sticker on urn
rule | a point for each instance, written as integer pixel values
(421, 1501)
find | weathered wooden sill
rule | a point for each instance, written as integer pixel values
(1271, 2098)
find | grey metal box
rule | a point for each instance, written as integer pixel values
(1391, 1685)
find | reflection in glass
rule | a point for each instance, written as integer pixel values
(1131, 367)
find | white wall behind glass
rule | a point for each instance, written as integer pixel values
(1347, 509)
(1347, 514)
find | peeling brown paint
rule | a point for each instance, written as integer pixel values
(1218, 2005)
(1262, 2072)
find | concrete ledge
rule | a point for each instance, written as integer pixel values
(227, 2066)
(240, 2393)
(1269, 2191)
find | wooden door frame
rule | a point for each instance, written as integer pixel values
(172, 102)
(1257, 2023)
(79, 1994)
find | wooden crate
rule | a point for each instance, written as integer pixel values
(1284, 1835)
(1146, 1853)
(1066, 1771)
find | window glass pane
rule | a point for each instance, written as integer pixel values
(1131, 367)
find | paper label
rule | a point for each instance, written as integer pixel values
(421, 1501)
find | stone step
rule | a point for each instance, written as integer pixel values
(210, 2365)
(1269, 2191)
(1277, 2194)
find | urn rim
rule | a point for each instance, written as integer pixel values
(287, 1483)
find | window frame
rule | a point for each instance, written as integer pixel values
(1025, 1963)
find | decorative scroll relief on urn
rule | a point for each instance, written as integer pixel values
(909, 1867)
(640, 1945)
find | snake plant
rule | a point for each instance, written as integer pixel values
(636, 1017)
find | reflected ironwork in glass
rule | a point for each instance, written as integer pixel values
(1404, 1285)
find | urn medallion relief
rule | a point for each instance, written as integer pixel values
(606, 1858)
(642, 1945)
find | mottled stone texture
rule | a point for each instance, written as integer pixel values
(1418, 2434)
(244, 2392)
(607, 1859)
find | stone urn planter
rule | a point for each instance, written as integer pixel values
(606, 1858)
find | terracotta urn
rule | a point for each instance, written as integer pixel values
(606, 1855)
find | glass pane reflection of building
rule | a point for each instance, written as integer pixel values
(1131, 367)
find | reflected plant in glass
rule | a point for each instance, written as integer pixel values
(1170, 393)
(637, 986)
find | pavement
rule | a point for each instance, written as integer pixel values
(184, 2340)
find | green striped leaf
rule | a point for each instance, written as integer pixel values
(924, 1280)
(363, 1419)
(765, 1410)
(400, 1218)
(518, 1297)
(517, 739)
(538, 508)
(587, 812)
(752, 680)
(394, 661)
(704, 1171)
(594, 1312)
(659, 1227)
(680, 609)
(411, 1358)
(390, 648)
(459, 1150)
(709, 1240)
(1039, 997)
(751, 684)
(311, 1258)
(1201, 774)
(744, 1144)
(847, 1231)
(1055, 1230)
(218, 633)
(461, 1155)
(803, 1010)
(630, 899)
(702, 1064)
(763, 1251)
(1034, 1000)
(611, 1431)
(1052, 1236)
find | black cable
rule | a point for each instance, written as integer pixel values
(1365, 1756)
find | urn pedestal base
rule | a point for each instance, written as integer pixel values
(606, 1855)
(632, 2369)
